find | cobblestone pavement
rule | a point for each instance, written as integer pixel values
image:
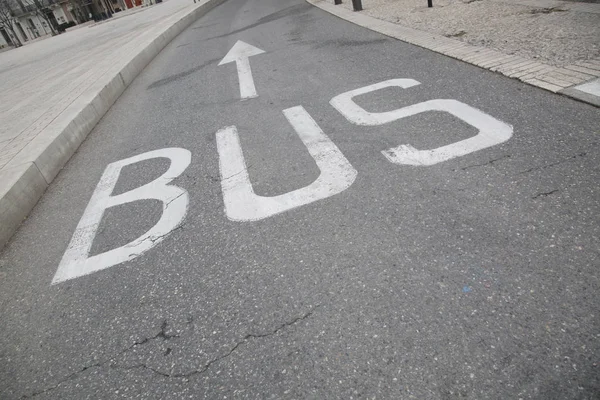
(557, 33)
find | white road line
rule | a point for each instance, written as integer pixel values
(75, 261)
(239, 53)
(242, 204)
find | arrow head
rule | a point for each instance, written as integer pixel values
(240, 50)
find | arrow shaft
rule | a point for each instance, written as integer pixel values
(247, 88)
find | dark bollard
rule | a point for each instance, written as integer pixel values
(429, 3)
(357, 4)
(336, 2)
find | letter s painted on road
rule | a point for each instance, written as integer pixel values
(491, 130)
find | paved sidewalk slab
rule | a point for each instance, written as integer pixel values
(55, 91)
(589, 92)
(553, 78)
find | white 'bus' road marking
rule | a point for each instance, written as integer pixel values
(76, 261)
(242, 204)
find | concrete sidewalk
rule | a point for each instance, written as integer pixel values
(551, 44)
(52, 93)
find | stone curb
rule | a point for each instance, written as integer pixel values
(25, 178)
(554, 79)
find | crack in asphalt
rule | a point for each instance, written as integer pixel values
(162, 334)
(153, 239)
(206, 366)
(490, 162)
(237, 173)
(172, 200)
(582, 154)
(544, 194)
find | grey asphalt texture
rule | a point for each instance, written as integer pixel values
(476, 278)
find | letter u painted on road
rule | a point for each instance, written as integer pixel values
(491, 130)
(76, 261)
(242, 204)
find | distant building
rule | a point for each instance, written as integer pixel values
(34, 19)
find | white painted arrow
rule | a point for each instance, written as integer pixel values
(240, 52)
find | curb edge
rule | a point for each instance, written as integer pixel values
(28, 180)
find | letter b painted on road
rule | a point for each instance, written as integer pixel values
(76, 261)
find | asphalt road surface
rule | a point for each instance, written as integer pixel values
(308, 265)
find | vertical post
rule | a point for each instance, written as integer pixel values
(429, 3)
(357, 4)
